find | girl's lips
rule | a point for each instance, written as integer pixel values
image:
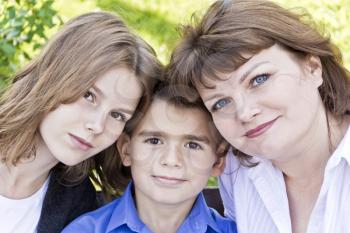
(260, 129)
(80, 143)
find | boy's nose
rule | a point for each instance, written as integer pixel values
(171, 157)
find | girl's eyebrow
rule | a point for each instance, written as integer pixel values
(98, 90)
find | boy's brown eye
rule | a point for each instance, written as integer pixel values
(193, 145)
(154, 141)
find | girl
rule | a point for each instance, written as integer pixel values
(67, 105)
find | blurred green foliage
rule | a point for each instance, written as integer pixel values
(22, 31)
(332, 18)
(155, 20)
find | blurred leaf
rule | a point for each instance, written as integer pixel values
(7, 49)
(23, 26)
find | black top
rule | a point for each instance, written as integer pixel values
(62, 203)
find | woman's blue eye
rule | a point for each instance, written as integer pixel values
(118, 116)
(153, 141)
(89, 96)
(193, 146)
(220, 104)
(260, 79)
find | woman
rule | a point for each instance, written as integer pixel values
(278, 93)
(67, 105)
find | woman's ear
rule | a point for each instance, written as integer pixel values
(314, 67)
(123, 147)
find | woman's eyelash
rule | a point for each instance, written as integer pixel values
(259, 79)
(220, 104)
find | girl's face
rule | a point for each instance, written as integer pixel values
(270, 105)
(76, 131)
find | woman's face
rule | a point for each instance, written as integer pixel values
(76, 131)
(270, 105)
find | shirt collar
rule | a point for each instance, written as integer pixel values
(342, 151)
(126, 213)
(199, 218)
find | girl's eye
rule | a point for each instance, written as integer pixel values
(118, 116)
(193, 146)
(258, 80)
(153, 141)
(220, 104)
(89, 96)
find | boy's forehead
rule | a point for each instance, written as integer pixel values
(176, 120)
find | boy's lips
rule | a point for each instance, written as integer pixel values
(168, 180)
(260, 129)
(80, 142)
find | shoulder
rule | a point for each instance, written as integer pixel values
(225, 225)
(94, 221)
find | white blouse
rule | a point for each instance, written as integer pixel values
(22, 215)
(256, 198)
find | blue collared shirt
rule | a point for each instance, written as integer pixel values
(120, 216)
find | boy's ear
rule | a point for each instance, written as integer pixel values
(221, 152)
(123, 147)
(218, 167)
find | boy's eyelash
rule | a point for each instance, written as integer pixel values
(198, 146)
(149, 140)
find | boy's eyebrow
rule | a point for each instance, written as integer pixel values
(148, 133)
(202, 138)
(190, 137)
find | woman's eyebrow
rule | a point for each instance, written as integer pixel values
(253, 67)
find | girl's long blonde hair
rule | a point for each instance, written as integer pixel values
(85, 48)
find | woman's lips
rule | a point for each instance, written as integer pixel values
(260, 129)
(80, 143)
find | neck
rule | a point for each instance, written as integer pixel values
(310, 157)
(163, 217)
(26, 177)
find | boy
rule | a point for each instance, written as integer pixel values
(171, 151)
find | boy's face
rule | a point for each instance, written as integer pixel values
(172, 153)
